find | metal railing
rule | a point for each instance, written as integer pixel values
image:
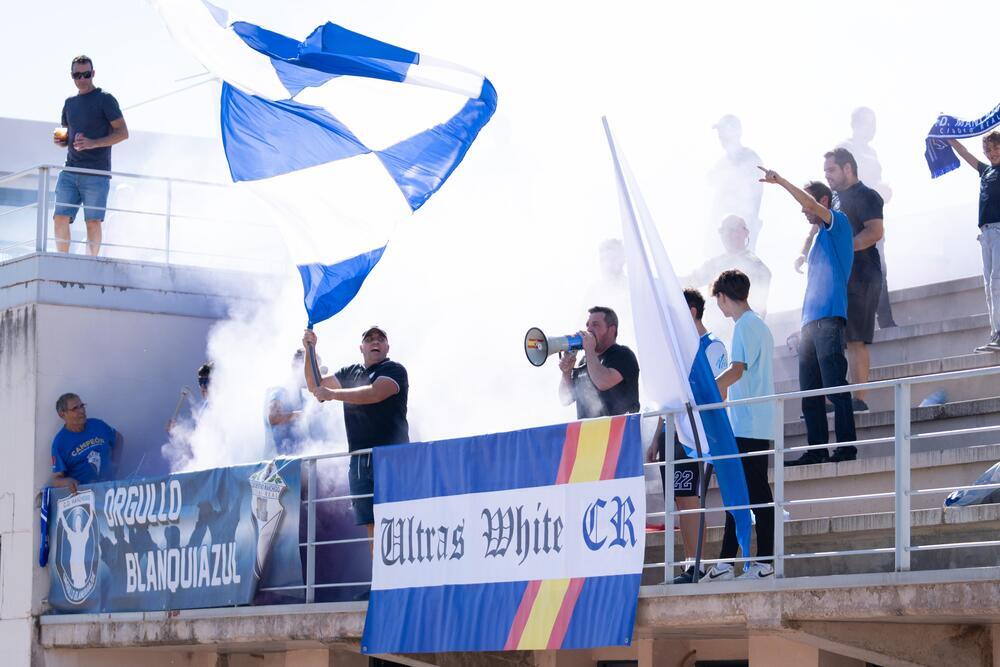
(901, 494)
(149, 218)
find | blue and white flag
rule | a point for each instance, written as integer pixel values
(940, 157)
(320, 124)
(675, 371)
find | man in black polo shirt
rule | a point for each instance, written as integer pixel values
(607, 380)
(374, 395)
(863, 208)
(94, 124)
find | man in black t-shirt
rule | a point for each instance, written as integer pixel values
(93, 123)
(863, 208)
(989, 227)
(374, 394)
(607, 380)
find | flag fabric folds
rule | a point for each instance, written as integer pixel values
(344, 151)
(939, 155)
(675, 372)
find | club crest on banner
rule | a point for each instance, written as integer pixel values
(266, 487)
(77, 548)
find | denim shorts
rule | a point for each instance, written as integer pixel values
(74, 189)
(362, 481)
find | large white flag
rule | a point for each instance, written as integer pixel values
(675, 370)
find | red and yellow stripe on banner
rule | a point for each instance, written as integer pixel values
(590, 453)
(591, 450)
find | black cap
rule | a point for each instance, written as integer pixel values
(372, 329)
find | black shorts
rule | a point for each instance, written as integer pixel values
(862, 302)
(687, 473)
(362, 481)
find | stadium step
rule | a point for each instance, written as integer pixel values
(939, 468)
(904, 344)
(881, 400)
(947, 417)
(865, 531)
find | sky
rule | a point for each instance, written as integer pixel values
(511, 240)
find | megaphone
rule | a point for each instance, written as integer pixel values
(538, 347)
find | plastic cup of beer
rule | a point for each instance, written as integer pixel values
(61, 135)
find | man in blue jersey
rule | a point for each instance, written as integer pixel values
(85, 450)
(824, 319)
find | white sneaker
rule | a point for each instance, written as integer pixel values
(757, 571)
(719, 572)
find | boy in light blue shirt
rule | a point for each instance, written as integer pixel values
(750, 374)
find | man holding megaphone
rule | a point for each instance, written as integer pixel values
(606, 382)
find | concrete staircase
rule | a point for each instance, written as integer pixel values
(939, 325)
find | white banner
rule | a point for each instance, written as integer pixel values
(588, 529)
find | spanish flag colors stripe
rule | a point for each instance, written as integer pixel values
(544, 615)
(590, 453)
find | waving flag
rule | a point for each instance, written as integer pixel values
(675, 371)
(940, 157)
(335, 144)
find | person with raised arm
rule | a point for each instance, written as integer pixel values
(824, 319)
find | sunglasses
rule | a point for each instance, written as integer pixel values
(83, 75)
(202, 382)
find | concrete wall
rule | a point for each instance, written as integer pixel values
(125, 337)
(127, 367)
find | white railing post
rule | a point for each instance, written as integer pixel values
(668, 498)
(42, 222)
(311, 531)
(902, 475)
(779, 488)
(166, 242)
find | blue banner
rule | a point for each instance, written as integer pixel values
(529, 540)
(201, 539)
(940, 157)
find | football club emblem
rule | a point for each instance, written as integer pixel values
(266, 487)
(77, 548)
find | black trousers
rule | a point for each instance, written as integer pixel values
(755, 471)
(822, 364)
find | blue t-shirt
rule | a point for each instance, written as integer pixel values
(830, 260)
(753, 345)
(84, 456)
(91, 114)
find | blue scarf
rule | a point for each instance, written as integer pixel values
(940, 157)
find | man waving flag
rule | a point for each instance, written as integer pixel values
(330, 139)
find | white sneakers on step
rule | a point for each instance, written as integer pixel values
(725, 572)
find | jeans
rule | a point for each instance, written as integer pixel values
(822, 364)
(755, 471)
(989, 241)
(73, 189)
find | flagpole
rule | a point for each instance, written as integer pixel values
(311, 358)
(665, 323)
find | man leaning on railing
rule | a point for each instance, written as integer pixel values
(91, 124)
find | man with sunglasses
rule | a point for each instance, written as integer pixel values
(94, 124)
(84, 450)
